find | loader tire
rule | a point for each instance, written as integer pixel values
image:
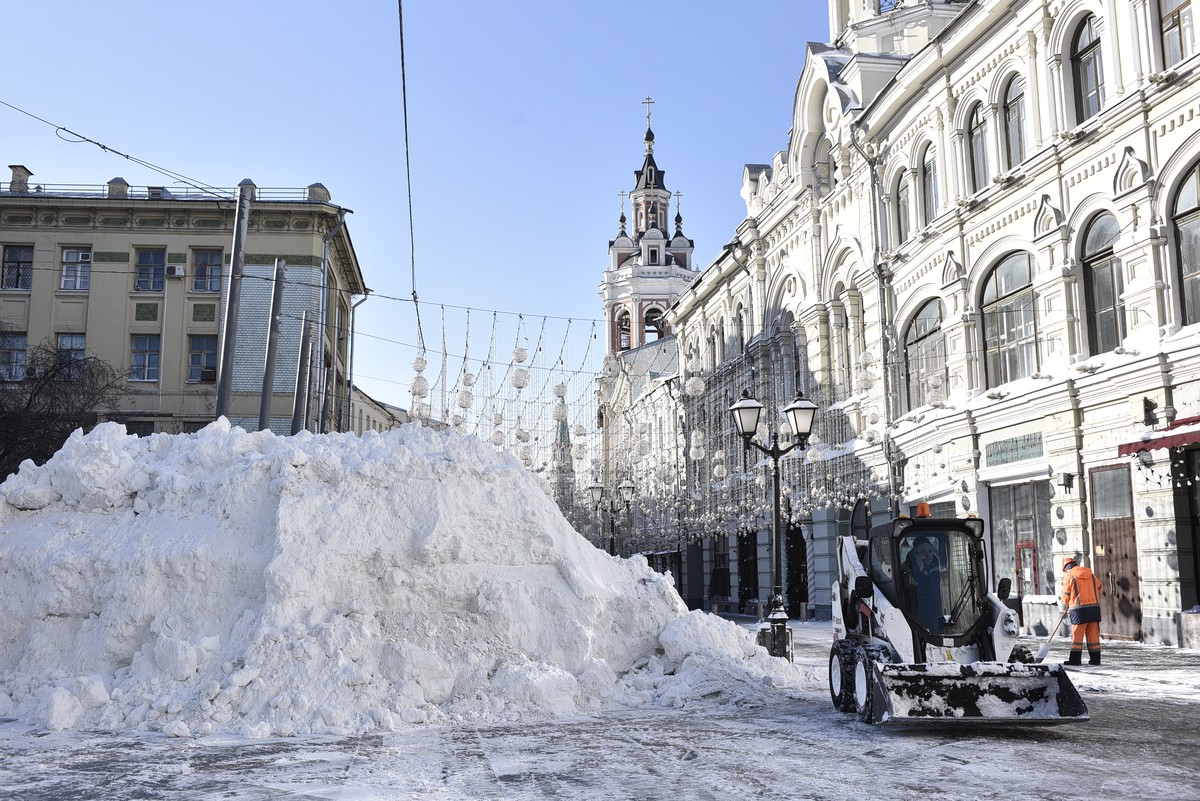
(864, 687)
(1021, 654)
(841, 675)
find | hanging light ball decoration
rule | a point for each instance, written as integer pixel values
(457, 421)
(419, 364)
(579, 430)
(420, 410)
(520, 355)
(814, 455)
(522, 435)
(468, 379)
(578, 450)
(465, 399)
(419, 386)
(560, 412)
(519, 378)
(719, 471)
(526, 454)
(497, 438)
(560, 390)
(694, 386)
(697, 453)
(498, 418)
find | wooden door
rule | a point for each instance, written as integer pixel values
(1114, 553)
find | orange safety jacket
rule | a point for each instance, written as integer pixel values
(1081, 595)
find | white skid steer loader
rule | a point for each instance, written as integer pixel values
(919, 639)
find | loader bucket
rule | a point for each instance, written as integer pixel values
(985, 692)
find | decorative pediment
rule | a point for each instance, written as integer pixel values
(952, 270)
(1048, 219)
(1131, 173)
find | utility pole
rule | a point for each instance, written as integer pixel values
(229, 341)
(300, 404)
(268, 384)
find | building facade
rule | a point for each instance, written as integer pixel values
(977, 254)
(140, 278)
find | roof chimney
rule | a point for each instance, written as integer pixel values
(318, 192)
(118, 188)
(20, 178)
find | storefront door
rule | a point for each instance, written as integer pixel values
(1114, 553)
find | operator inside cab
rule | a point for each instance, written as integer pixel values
(923, 579)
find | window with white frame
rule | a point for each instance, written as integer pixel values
(71, 351)
(1010, 321)
(1104, 283)
(1014, 121)
(900, 200)
(76, 269)
(1087, 71)
(16, 269)
(925, 356)
(1187, 226)
(202, 358)
(151, 266)
(1178, 34)
(206, 270)
(144, 358)
(12, 357)
(977, 148)
(929, 190)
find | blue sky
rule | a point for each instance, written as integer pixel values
(525, 121)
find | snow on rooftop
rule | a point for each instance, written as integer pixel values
(227, 581)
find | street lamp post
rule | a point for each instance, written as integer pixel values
(626, 489)
(800, 414)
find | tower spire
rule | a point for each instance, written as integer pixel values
(648, 102)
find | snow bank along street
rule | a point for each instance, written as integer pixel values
(243, 583)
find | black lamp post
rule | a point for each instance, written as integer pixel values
(626, 489)
(800, 414)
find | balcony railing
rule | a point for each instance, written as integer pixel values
(156, 193)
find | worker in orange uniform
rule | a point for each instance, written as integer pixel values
(1081, 596)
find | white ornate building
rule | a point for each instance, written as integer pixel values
(977, 252)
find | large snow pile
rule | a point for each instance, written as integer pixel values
(227, 581)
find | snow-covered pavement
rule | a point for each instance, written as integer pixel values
(1140, 744)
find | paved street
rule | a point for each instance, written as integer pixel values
(1141, 743)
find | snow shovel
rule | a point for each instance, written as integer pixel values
(1045, 649)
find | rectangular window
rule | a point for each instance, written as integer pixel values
(72, 348)
(16, 270)
(145, 312)
(202, 358)
(144, 358)
(206, 270)
(139, 428)
(1010, 330)
(1178, 35)
(76, 269)
(1022, 538)
(204, 313)
(151, 266)
(12, 357)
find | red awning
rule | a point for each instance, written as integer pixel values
(1181, 432)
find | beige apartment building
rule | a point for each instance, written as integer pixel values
(140, 277)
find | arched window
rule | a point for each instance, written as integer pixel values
(1087, 71)
(1014, 121)
(977, 148)
(739, 326)
(900, 200)
(929, 192)
(1187, 227)
(1104, 284)
(653, 326)
(1010, 321)
(1178, 32)
(623, 334)
(925, 356)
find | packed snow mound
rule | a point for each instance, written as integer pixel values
(227, 581)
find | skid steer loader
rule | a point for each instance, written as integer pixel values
(919, 639)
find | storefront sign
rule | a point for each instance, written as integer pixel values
(1017, 449)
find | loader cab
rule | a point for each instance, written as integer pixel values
(931, 570)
